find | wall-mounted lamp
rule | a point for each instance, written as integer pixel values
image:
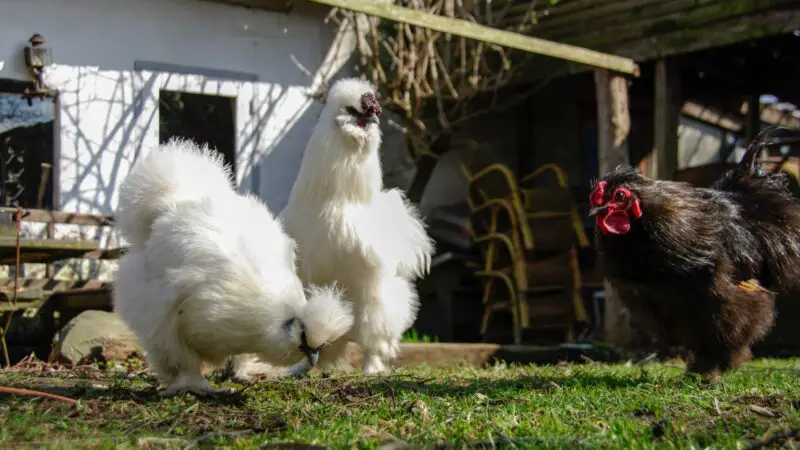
(37, 57)
(37, 54)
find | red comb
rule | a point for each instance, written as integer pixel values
(370, 104)
(599, 191)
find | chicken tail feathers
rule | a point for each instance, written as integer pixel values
(772, 211)
(178, 171)
(748, 162)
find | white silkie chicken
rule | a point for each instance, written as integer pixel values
(211, 274)
(352, 232)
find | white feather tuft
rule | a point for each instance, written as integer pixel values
(326, 316)
(346, 89)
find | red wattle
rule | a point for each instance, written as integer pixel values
(617, 222)
(599, 222)
(636, 209)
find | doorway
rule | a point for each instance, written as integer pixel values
(203, 118)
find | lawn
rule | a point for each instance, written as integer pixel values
(566, 406)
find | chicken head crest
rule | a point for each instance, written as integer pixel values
(614, 209)
(370, 104)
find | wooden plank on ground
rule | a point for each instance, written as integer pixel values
(486, 34)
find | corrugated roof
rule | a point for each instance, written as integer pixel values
(649, 29)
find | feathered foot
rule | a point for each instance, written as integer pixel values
(242, 369)
(373, 364)
(194, 383)
(712, 365)
(333, 357)
(300, 369)
(705, 365)
(233, 370)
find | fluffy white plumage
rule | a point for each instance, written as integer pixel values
(351, 231)
(211, 273)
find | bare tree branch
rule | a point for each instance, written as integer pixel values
(429, 79)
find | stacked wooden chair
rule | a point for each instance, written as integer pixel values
(528, 233)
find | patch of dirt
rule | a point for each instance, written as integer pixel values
(196, 419)
(766, 401)
(353, 394)
(643, 412)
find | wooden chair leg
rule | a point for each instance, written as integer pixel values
(522, 301)
(487, 313)
(487, 291)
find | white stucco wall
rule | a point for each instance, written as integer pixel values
(108, 112)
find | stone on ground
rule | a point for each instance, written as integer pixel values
(94, 333)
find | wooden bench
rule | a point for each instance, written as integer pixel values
(55, 294)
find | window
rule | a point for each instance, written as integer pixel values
(205, 119)
(27, 143)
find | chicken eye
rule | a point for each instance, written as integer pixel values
(620, 196)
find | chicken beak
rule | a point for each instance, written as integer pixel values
(313, 356)
(597, 209)
(374, 119)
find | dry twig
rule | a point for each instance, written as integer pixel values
(429, 78)
(26, 392)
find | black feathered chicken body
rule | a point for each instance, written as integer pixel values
(700, 267)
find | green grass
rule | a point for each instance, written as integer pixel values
(412, 336)
(570, 406)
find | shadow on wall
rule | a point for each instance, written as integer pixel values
(97, 154)
(108, 117)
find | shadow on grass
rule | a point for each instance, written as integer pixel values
(349, 388)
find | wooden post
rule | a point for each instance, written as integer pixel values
(667, 116)
(753, 116)
(613, 120)
(613, 127)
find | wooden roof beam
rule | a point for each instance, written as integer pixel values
(489, 35)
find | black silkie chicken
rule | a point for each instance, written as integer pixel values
(700, 267)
